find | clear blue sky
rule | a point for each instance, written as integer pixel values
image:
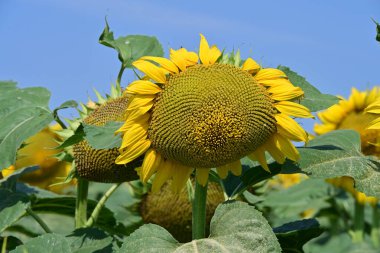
(54, 43)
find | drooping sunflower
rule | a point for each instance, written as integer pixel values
(354, 114)
(193, 112)
(39, 150)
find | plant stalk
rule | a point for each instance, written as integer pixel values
(81, 203)
(375, 231)
(4, 246)
(199, 211)
(358, 233)
(39, 220)
(95, 214)
(119, 76)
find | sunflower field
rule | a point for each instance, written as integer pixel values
(203, 151)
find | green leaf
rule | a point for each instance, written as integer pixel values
(377, 30)
(88, 240)
(12, 207)
(235, 227)
(78, 136)
(47, 243)
(314, 99)
(131, 47)
(103, 137)
(337, 154)
(23, 113)
(292, 236)
(65, 105)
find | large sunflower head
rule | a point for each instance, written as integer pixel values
(352, 114)
(192, 111)
(39, 150)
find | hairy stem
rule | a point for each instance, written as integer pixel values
(95, 214)
(39, 220)
(199, 211)
(81, 203)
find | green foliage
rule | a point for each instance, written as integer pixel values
(293, 236)
(23, 113)
(235, 227)
(337, 154)
(314, 99)
(12, 207)
(377, 30)
(131, 47)
(103, 137)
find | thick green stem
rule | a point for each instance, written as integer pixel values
(199, 211)
(39, 220)
(358, 233)
(118, 80)
(95, 214)
(375, 231)
(4, 246)
(81, 203)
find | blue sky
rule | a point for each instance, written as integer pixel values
(54, 43)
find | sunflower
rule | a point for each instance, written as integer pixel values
(193, 112)
(354, 114)
(39, 150)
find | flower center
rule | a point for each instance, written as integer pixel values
(208, 116)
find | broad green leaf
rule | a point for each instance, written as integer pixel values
(103, 137)
(78, 136)
(131, 47)
(337, 154)
(313, 99)
(292, 236)
(291, 202)
(88, 240)
(23, 113)
(47, 243)
(65, 105)
(10, 182)
(12, 207)
(235, 227)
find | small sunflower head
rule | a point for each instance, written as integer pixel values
(99, 165)
(194, 112)
(40, 150)
(354, 114)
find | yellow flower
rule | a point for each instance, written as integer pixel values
(353, 114)
(285, 181)
(38, 150)
(190, 111)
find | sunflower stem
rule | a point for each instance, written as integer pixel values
(119, 76)
(199, 211)
(4, 246)
(375, 231)
(358, 233)
(81, 203)
(39, 220)
(95, 214)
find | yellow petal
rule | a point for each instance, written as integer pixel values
(136, 133)
(164, 172)
(276, 82)
(204, 51)
(165, 63)
(289, 128)
(293, 109)
(334, 114)
(269, 73)
(136, 117)
(140, 101)
(222, 171)
(180, 176)
(202, 176)
(133, 152)
(324, 128)
(286, 147)
(150, 164)
(236, 168)
(215, 53)
(182, 58)
(142, 87)
(251, 66)
(358, 98)
(151, 70)
(259, 155)
(274, 151)
(285, 93)
(373, 107)
(372, 96)
(375, 124)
